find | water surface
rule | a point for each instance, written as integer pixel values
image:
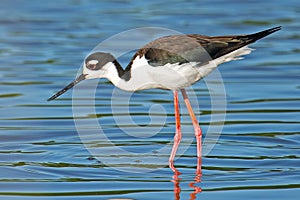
(42, 45)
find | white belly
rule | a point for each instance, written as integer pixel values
(172, 76)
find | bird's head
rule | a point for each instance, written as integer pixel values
(96, 65)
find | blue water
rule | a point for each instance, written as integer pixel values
(42, 152)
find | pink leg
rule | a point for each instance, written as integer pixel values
(177, 137)
(198, 132)
(196, 180)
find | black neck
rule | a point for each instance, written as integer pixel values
(123, 74)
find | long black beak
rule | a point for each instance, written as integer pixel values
(75, 82)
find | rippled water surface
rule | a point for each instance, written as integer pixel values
(68, 149)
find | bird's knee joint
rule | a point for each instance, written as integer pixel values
(177, 137)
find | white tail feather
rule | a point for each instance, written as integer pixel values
(235, 55)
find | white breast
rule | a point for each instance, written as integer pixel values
(172, 76)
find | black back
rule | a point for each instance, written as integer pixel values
(195, 48)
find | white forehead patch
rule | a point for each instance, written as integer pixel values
(93, 62)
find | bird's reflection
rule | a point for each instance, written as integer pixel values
(197, 179)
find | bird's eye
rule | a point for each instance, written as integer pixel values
(92, 65)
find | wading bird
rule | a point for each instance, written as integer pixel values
(173, 63)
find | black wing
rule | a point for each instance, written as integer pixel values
(195, 48)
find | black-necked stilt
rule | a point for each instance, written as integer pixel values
(173, 63)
